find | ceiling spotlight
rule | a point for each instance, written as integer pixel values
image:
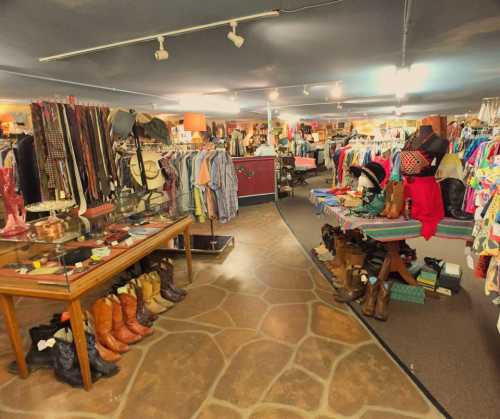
(274, 94)
(235, 39)
(305, 91)
(162, 53)
(336, 90)
(339, 106)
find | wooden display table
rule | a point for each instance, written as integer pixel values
(392, 232)
(10, 287)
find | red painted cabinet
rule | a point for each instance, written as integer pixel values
(255, 176)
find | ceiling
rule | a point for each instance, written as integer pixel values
(353, 42)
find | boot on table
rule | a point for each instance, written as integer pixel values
(388, 199)
(398, 201)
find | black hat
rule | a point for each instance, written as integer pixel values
(374, 171)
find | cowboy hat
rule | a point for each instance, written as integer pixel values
(154, 175)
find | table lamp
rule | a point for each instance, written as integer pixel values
(196, 123)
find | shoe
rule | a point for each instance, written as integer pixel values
(353, 288)
(397, 201)
(383, 297)
(102, 313)
(166, 272)
(41, 353)
(453, 192)
(120, 331)
(388, 199)
(144, 316)
(129, 308)
(154, 277)
(106, 369)
(107, 354)
(147, 292)
(66, 368)
(371, 294)
(340, 251)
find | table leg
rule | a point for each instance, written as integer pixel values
(396, 263)
(78, 329)
(189, 257)
(12, 326)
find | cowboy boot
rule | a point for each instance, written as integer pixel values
(98, 364)
(384, 294)
(144, 316)
(147, 292)
(388, 199)
(354, 256)
(102, 313)
(453, 191)
(167, 271)
(398, 201)
(154, 277)
(107, 354)
(120, 331)
(167, 291)
(128, 301)
(370, 299)
(340, 251)
(354, 288)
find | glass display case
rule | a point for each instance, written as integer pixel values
(59, 249)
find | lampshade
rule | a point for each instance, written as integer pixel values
(194, 122)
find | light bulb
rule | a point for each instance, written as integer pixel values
(336, 90)
(274, 94)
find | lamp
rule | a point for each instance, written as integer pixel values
(6, 117)
(195, 122)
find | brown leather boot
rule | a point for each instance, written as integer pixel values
(148, 293)
(120, 331)
(129, 308)
(144, 316)
(355, 256)
(107, 354)
(340, 250)
(155, 280)
(383, 297)
(102, 312)
(354, 287)
(398, 200)
(388, 199)
(370, 297)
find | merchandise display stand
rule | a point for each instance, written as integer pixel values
(73, 292)
(392, 232)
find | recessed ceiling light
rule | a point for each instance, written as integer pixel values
(336, 91)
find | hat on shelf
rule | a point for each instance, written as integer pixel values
(154, 176)
(372, 170)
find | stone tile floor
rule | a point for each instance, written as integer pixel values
(259, 337)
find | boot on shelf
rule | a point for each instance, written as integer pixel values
(66, 367)
(388, 199)
(398, 201)
(155, 280)
(354, 287)
(120, 331)
(383, 297)
(102, 313)
(147, 292)
(41, 352)
(370, 299)
(128, 300)
(144, 316)
(167, 276)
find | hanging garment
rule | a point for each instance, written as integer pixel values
(427, 203)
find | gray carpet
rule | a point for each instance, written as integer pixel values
(452, 344)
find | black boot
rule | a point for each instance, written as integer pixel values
(66, 368)
(40, 355)
(453, 191)
(107, 369)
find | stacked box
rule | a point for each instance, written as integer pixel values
(408, 293)
(450, 277)
(428, 278)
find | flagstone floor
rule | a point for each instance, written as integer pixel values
(259, 337)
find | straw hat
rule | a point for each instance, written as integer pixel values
(154, 175)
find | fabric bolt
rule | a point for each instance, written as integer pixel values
(426, 201)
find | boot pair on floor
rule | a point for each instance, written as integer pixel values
(376, 299)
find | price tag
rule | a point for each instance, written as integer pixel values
(78, 265)
(37, 264)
